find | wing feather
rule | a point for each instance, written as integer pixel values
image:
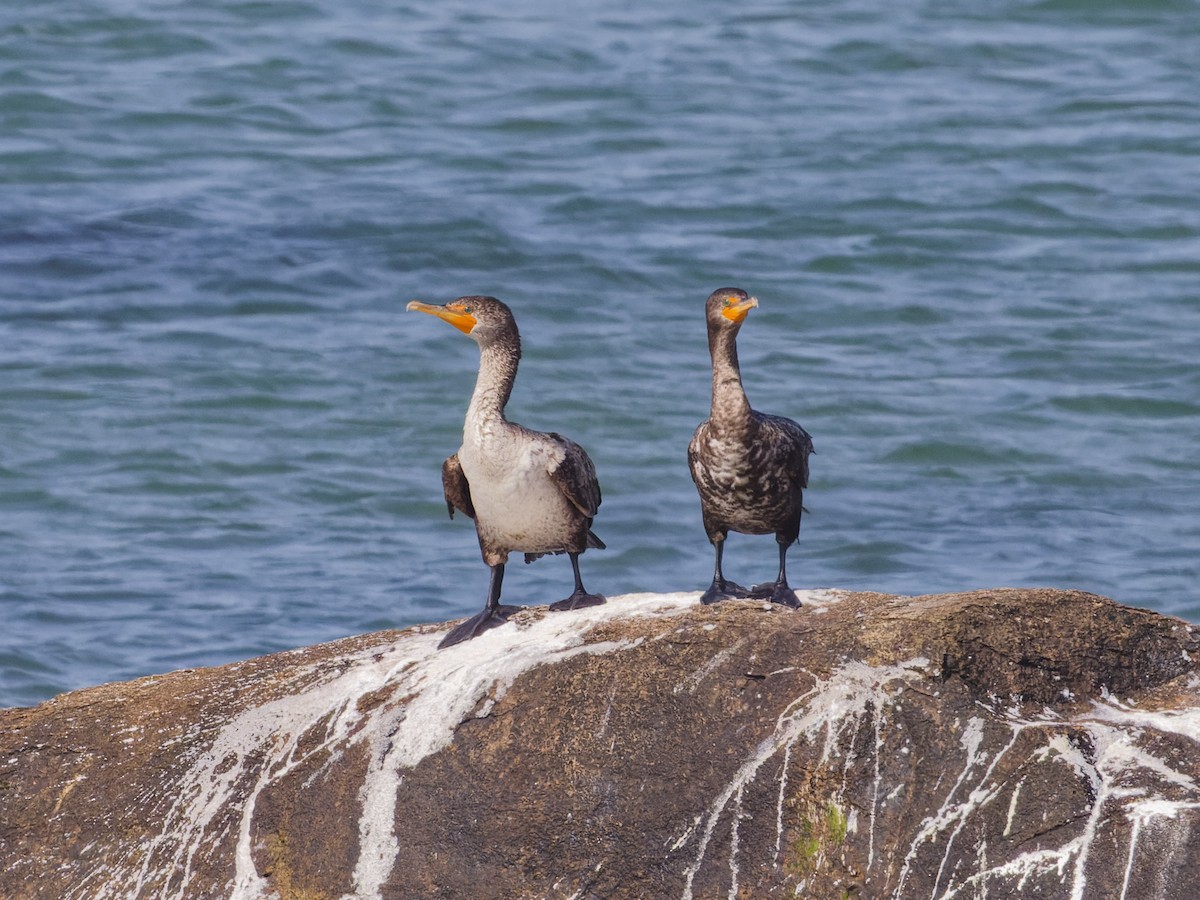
(575, 476)
(455, 488)
(793, 441)
(693, 451)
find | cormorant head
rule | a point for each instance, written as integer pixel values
(727, 307)
(483, 319)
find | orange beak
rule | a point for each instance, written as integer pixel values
(463, 321)
(738, 311)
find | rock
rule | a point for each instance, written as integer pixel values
(1007, 743)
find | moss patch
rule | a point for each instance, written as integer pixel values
(819, 834)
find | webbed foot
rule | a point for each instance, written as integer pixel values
(776, 592)
(723, 590)
(477, 625)
(578, 600)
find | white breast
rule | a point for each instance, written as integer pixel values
(517, 505)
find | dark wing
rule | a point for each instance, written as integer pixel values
(576, 476)
(793, 443)
(455, 488)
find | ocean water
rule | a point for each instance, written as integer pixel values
(974, 229)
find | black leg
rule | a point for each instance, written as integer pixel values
(779, 592)
(580, 598)
(720, 589)
(493, 614)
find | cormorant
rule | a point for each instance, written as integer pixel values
(529, 491)
(749, 467)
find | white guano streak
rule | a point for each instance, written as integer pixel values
(823, 708)
(436, 691)
(1114, 730)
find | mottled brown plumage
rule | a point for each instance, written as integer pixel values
(750, 468)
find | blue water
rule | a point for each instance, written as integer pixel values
(973, 228)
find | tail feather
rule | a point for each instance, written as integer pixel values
(595, 542)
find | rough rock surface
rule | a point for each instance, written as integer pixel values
(1006, 743)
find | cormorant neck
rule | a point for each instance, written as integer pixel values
(497, 371)
(729, 403)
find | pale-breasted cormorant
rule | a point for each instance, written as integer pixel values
(529, 491)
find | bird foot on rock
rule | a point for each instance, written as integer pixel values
(723, 590)
(477, 625)
(776, 592)
(577, 600)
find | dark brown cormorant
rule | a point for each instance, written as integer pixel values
(530, 491)
(749, 467)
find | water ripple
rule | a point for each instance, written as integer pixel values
(968, 227)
